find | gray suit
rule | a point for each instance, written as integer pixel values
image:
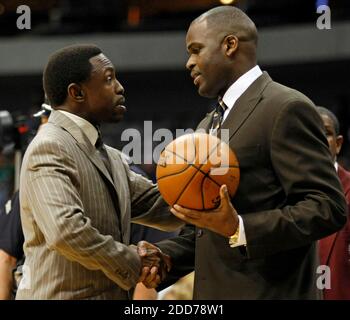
(288, 197)
(76, 217)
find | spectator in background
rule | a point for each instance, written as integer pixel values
(6, 176)
(335, 249)
(11, 246)
(11, 233)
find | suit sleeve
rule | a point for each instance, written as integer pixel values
(314, 206)
(149, 208)
(53, 194)
(147, 205)
(181, 249)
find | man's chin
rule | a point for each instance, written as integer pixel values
(117, 115)
(205, 94)
(116, 118)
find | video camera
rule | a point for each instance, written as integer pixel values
(16, 131)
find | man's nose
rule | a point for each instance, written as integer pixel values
(119, 88)
(190, 63)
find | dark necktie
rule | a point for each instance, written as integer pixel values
(104, 157)
(218, 115)
(103, 153)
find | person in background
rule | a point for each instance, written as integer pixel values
(11, 243)
(334, 250)
(11, 233)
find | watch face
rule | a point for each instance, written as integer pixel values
(234, 238)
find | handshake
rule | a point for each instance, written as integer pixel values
(155, 264)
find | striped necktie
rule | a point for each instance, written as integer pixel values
(218, 115)
(103, 153)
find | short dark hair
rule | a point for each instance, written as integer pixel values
(330, 115)
(230, 19)
(65, 66)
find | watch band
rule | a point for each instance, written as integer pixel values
(234, 238)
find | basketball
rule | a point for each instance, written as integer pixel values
(192, 168)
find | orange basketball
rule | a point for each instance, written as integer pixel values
(192, 168)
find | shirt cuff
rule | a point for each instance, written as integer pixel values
(242, 241)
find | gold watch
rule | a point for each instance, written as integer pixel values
(234, 238)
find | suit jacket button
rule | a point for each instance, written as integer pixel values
(199, 233)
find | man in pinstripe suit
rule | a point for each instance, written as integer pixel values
(77, 195)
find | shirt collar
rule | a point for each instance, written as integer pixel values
(89, 130)
(240, 86)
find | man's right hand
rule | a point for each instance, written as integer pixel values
(155, 264)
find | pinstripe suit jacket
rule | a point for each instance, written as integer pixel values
(76, 217)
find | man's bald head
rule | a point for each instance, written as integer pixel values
(230, 20)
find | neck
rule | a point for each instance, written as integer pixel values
(78, 113)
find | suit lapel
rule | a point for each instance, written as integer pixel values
(206, 123)
(245, 105)
(94, 157)
(118, 196)
(83, 142)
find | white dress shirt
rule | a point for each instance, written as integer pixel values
(238, 88)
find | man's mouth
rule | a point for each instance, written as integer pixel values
(196, 77)
(120, 102)
(196, 80)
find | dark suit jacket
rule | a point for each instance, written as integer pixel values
(289, 196)
(335, 251)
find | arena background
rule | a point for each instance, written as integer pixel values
(145, 39)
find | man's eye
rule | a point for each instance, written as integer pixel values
(109, 79)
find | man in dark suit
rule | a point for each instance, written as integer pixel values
(334, 249)
(262, 243)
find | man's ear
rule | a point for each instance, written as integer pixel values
(339, 142)
(231, 44)
(75, 92)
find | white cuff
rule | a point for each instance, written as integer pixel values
(242, 241)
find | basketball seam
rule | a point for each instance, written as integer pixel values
(195, 154)
(209, 155)
(206, 174)
(189, 164)
(186, 186)
(178, 172)
(198, 170)
(202, 192)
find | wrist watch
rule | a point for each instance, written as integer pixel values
(234, 238)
